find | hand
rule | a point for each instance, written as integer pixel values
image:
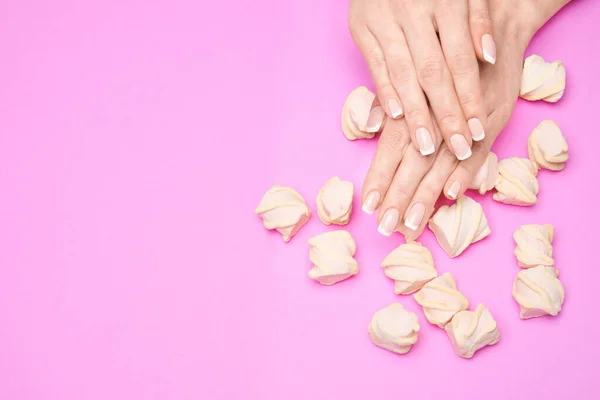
(410, 185)
(410, 65)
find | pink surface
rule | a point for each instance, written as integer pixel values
(136, 138)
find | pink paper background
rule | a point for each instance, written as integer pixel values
(136, 138)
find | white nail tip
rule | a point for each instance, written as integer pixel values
(383, 231)
(427, 152)
(469, 154)
(411, 226)
(478, 138)
(487, 57)
(366, 210)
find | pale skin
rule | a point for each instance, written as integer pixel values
(412, 67)
(402, 184)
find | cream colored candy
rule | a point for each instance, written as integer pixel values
(542, 80)
(457, 226)
(487, 176)
(538, 291)
(394, 328)
(440, 300)
(534, 245)
(283, 208)
(332, 255)
(411, 266)
(518, 184)
(354, 123)
(470, 331)
(547, 146)
(334, 201)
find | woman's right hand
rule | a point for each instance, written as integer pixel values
(414, 70)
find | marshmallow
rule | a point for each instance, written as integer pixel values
(394, 329)
(334, 201)
(538, 291)
(487, 176)
(356, 113)
(440, 300)
(518, 184)
(542, 80)
(332, 256)
(411, 266)
(547, 146)
(470, 331)
(534, 245)
(283, 208)
(457, 226)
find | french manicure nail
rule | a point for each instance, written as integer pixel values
(415, 216)
(489, 48)
(453, 190)
(371, 202)
(395, 108)
(460, 146)
(389, 222)
(476, 128)
(375, 120)
(425, 141)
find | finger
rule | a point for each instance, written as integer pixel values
(462, 177)
(404, 79)
(436, 80)
(422, 205)
(481, 30)
(406, 180)
(373, 54)
(462, 62)
(390, 149)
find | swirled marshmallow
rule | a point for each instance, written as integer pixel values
(547, 146)
(542, 80)
(334, 201)
(518, 184)
(538, 292)
(441, 300)
(470, 331)
(332, 255)
(283, 209)
(394, 328)
(457, 226)
(411, 266)
(534, 245)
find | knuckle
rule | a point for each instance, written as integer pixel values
(445, 156)
(480, 16)
(399, 192)
(432, 73)
(375, 61)
(429, 193)
(468, 100)
(449, 122)
(412, 113)
(395, 141)
(463, 64)
(400, 70)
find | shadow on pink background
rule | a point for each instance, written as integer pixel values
(136, 138)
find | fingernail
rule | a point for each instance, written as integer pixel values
(415, 216)
(489, 48)
(389, 222)
(460, 146)
(395, 108)
(476, 128)
(371, 202)
(375, 120)
(425, 141)
(454, 189)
